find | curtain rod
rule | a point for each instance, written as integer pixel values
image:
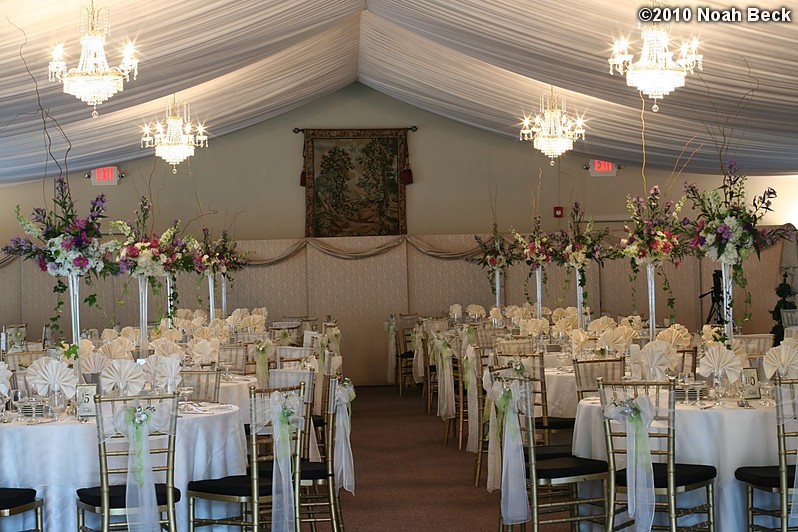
(411, 128)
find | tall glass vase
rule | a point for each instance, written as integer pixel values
(170, 300)
(497, 277)
(223, 284)
(73, 280)
(652, 301)
(728, 321)
(211, 294)
(143, 302)
(580, 300)
(539, 291)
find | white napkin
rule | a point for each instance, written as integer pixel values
(739, 349)
(189, 327)
(656, 358)
(94, 363)
(45, 374)
(253, 323)
(109, 334)
(564, 325)
(579, 339)
(600, 325)
(85, 348)
(634, 321)
(496, 313)
(536, 327)
(456, 310)
(184, 313)
(509, 311)
(261, 311)
(203, 333)
(629, 333)
(131, 333)
(200, 319)
(172, 335)
(475, 311)
(782, 359)
(164, 347)
(203, 352)
(234, 320)
(5, 379)
(676, 335)
(123, 375)
(167, 374)
(149, 366)
(523, 313)
(613, 340)
(115, 349)
(718, 358)
(240, 312)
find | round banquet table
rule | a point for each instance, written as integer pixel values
(57, 458)
(726, 437)
(236, 392)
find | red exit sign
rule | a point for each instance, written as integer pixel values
(600, 167)
(105, 176)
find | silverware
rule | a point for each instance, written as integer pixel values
(707, 407)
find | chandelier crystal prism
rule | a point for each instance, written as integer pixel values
(552, 131)
(175, 141)
(655, 73)
(93, 81)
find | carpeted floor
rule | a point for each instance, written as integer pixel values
(406, 480)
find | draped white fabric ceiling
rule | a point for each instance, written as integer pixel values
(483, 63)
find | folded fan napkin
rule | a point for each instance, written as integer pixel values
(536, 327)
(85, 348)
(496, 313)
(125, 344)
(600, 325)
(115, 349)
(261, 311)
(720, 359)
(172, 335)
(5, 380)
(564, 326)
(167, 374)
(676, 335)
(656, 358)
(46, 374)
(202, 314)
(782, 359)
(123, 375)
(200, 320)
(456, 310)
(475, 311)
(579, 340)
(234, 320)
(149, 366)
(203, 333)
(253, 323)
(240, 312)
(739, 349)
(634, 321)
(558, 314)
(509, 311)
(131, 333)
(109, 334)
(189, 327)
(203, 352)
(613, 340)
(94, 363)
(629, 333)
(523, 313)
(164, 347)
(184, 313)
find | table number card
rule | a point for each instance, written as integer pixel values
(750, 383)
(85, 400)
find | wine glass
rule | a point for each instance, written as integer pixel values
(225, 366)
(766, 387)
(688, 383)
(18, 396)
(184, 392)
(58, 403)
(563, 358)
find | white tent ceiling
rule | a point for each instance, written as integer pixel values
(483, 63)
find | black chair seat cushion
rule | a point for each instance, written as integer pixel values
(318, 421)
(313, 470)
(555, 423)
(764, 476)
(92, 497)
(406, 354)
(685, 474)
(569, 466)
(13, 497)
(235, 486)
(547, 452)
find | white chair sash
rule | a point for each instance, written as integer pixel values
(474, 444)
(390, 330)
(515, 502)
(282, 413)
(443, 351)
(493, 393)
(344, 466)
(417, 341)
(135, 423)
(637, 414)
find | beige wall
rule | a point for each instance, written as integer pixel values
(252, 177)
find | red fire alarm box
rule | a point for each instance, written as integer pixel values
(558, 212)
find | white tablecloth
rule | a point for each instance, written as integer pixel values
(58, 458)
(726, 437)
(237, 393)
(561, 393)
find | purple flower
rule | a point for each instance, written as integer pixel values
(68, 243)
(685, 221)
(81, 262)
(724, 231)
(39, 214)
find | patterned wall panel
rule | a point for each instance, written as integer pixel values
(10, 305)
(359, 294)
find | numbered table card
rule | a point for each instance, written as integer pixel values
(85, 399)
(750, 383)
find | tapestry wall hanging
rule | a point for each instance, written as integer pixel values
(355, 182)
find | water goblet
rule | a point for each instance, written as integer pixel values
(18, 397)
(699, 387)
(688, 381)
(185, 392)
(58, 403)
(766, 388)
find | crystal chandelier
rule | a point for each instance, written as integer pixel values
(93, 81)
(656, 73)
(176, 142)
(552, 131)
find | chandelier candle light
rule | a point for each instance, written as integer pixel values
(655, 73)
(177, 141)
(552, 131)
(93, 81)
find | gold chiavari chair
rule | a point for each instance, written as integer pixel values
(205, 384)
(23, 359)
(405, 324)
(552, 483)
(109, 498)
(236, 356)
(251, 492)
(586, 372)
(777, 479)
(670, 477)
(687, 360)
(15, 501)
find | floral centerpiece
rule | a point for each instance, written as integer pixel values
(217, 256)
(65, 244)
(538, 250)
(496, 254)
(725, 229)
(652, 237)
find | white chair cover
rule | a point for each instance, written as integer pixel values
(343, 461)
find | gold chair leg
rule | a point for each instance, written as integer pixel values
(191, 514)
(711, 506)
(39, 521)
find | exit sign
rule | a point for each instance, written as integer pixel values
(105, 176)
(602, 168)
